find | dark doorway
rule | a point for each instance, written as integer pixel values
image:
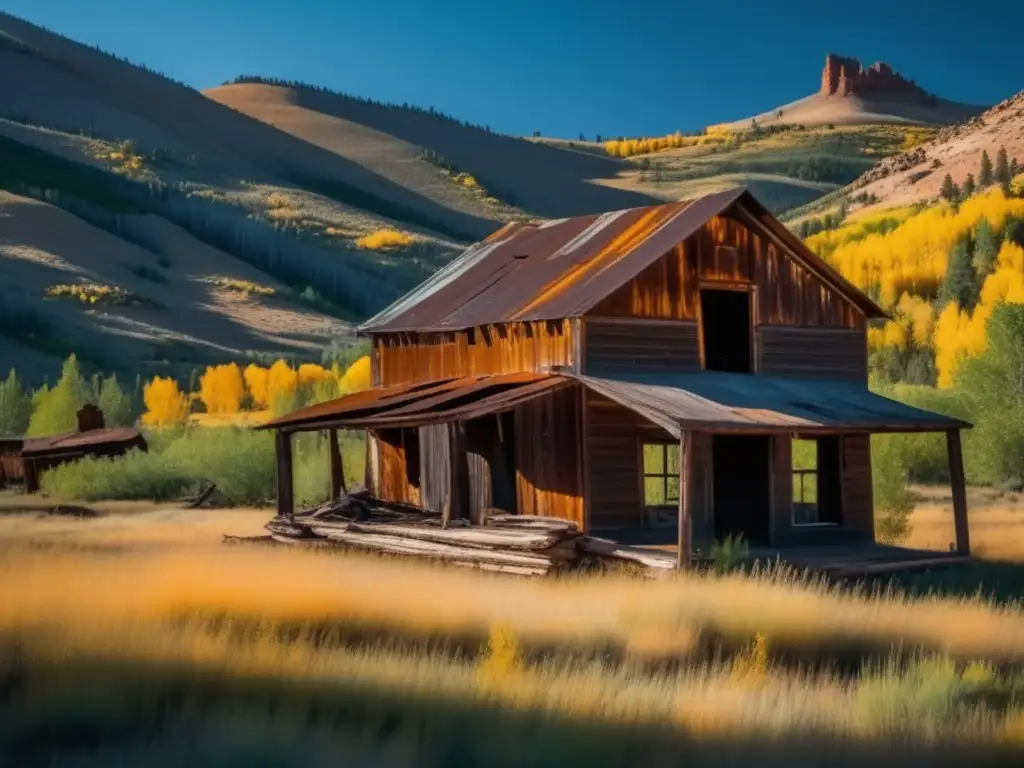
(503, 477)
(725, 330)
(742, 487)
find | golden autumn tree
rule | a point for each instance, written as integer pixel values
(221, 388)
(282, 382)
(357, 377)
(256, 381)
(166, 404)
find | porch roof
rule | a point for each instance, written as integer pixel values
(432, 402)
(736, 402)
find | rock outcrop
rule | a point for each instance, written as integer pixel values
(844, 76)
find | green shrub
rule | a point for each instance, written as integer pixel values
(893, 502)
(239, 461)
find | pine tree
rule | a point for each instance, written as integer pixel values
(15, 407)
(960, 281)
(968, 187)
(1002, 174)
(949, 190)
(985, 172)
(55, 409)
(986, 248)
(117, 406)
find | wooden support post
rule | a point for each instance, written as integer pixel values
(337, 470)
(285, 492)
(684, 551)
(959, 488)
(368, 462)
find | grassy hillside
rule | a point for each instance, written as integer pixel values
(785, 166)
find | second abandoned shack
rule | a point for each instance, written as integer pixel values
(689, 366)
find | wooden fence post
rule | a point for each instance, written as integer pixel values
(959, 487)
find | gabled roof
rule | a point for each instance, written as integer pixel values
(562, 268)
(71, 442)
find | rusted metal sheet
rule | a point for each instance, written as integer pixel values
(94, 441)
(420, 404)
(627, 344)
(412, 357)
(562, 269)
(739, 402)
(822, 353)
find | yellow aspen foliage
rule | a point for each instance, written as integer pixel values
(256, 381)
(166, 405)
(281, 381)
(897, 334)
(357, 377)
(1011, 255)
(221, 388)
(912, 257)
(310, 374)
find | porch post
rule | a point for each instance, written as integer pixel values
(285, 493)
(684, 549)
(959, 488)
(337, 470)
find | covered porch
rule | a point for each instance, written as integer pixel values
(529, 444)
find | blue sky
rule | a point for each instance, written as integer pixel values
(558, 66)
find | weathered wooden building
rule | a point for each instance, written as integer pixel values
(35, 455)
(691, 365)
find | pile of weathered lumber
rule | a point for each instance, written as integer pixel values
(516, 544)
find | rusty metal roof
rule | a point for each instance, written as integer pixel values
(78, 441)
(562, 268)
(734, 401)
(411, 405)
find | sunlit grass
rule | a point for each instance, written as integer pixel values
(384, 239)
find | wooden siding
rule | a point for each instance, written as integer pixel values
(548, 456)
(614, 469)
(822, 353)
(858, 501)
(435, 475)
(403, 358)
(703, 495)
(626, 344)
(726, 251)
(392, 476)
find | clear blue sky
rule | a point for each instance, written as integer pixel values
(560, 66)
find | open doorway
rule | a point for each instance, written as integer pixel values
(725, 330)
(742, 487)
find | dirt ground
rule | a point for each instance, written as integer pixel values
(996, 523)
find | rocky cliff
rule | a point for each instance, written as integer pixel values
(844, 76)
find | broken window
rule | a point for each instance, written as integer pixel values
(661, 474)
(816, 482)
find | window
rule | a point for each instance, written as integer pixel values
(661, 474)
(725, 330)
(816, 482)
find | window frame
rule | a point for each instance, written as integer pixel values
(802, 473)
(665, 475)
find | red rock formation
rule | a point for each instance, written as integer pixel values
(844, 76)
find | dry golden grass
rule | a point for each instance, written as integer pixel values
(996, 521)
(156, 590)
(384, 239)
(239, 419)
(248, 287)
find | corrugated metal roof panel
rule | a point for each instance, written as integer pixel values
(76, 440)
(733, 401)
(411, 405)
(562, 268)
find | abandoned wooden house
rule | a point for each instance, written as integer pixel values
(689, 367)
(27, 458)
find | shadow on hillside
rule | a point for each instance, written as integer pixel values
(90, 712)
(539, 178)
